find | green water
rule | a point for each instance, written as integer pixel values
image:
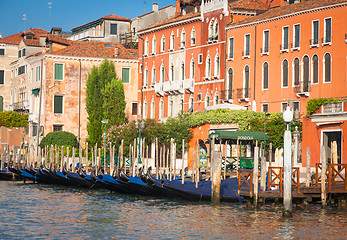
(34, 211)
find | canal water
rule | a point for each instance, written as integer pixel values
(35, 211)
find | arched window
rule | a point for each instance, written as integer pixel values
(162, 73)
(296, 74)
(285, 73)
(146, 76)
(216, 30)
(208, 66)
(154, 45)
(161, 108)
(152, 109)
(146, 46)
(153, 76)
(192, 69)
(265, 75)
(230, 83)
(216, 98)
(246, 82)
(182, 71)
(327, 67)
(306, 74)
(193, 37)
(172, 70)
(1, 103)
(172, 41)
(191, 104)
(145, 110)
(210, 31)
(315, 69)
(162, 47)
(183, 38)
(207, 100)
(182, 105)
(217, 66)
(171, 108)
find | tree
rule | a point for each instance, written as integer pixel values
(13, 119)
(100, 107)
(59, 138)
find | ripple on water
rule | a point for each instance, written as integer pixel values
(55, 212)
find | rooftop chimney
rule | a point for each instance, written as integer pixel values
(155, 7)
(0, 35)
(116, 52)
(178, 8)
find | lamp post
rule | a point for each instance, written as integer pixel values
(287, 163)
(266, 114)
(140, 126)
(104, 122)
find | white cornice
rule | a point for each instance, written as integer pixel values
(119, 60)
(288, 15)
(170, 25)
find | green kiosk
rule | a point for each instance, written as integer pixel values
(239, 146)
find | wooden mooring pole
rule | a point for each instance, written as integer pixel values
(323, 176)
(308, 168)
(287, 173)
(182, 168)
(256, 174)
(216, 169)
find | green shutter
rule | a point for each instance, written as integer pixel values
(1, 104)
(58, 71)
(58, 104)
(2, 77)
(125, 75)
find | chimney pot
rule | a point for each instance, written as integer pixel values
(155, 7)
(116, 52)
(178, 8)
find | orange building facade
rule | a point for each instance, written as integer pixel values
(288, 55)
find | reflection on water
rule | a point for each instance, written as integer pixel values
(54, 212)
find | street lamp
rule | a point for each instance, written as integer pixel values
(266, 114)
(140, 126)
(287, 163)
(104, 122)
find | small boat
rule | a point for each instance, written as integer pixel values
(228, 190)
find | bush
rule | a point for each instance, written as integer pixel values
(59, 138)
(13, 119)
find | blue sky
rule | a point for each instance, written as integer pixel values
(66, 13)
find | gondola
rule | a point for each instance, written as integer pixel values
(228, 190)
(113, 185)
(156, 184)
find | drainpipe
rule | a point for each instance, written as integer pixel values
(225, 58)
(143, 48)
(255, 60)
(39, 120)
(79, 106)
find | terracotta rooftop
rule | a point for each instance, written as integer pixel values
(288, 9)
(95, 50)
(249, 5)
(16, 38)
(171, 20)
(58, 39)
(107, 17)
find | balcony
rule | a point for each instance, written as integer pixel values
(33, 117)
(227, 95)
(243, 94)
(159, 89)
(245, 54)
(295, 46)
(173, 87)
(88, 33)
(264, 51)
(22, 106)
(188, 85)
(326, 41)
(284, 48)
(303, 89)
(314, 42)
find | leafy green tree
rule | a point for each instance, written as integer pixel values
(59, 138)
(13, 119)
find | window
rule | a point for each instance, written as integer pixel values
(315, 69)
(216, 99)
(134, 109)
(23, 52)
(154, 45)
(230, 83)
(57, 127)
(193, 37)
(198, 97)
(161, 109)
(172, 41)
(231, 48)
(171, 108)
(265, 107)
(145, 110)
(285, 73)
(192, 69)
(246, 82)
(327, 30)
(162, 73)
(265, 76)
(162, 44)
(296, 106)
(38, 73)
(58, 104)
(2, 52)
(296, 74)
(285, 38)
(172, 70)
(200, 57)
(208, 67)
(216, 66)
(146, 46)
(207, 101)
(1, 103)
(113, 29)
(296, 36)
(34, 132)
(2, 77)
(125, 75)
(153, 76)
(266, 41)
(146, 76)
(210, 31)
(315, 32)
(247, 45)
(58, 71)
(306, 74)
(183, 38)
(327, 67)
(19, 53)
(21, 70)
(182, 105)
(152, 109)
(216, 30)
(182, 71)
(284, 106)
(191, 104)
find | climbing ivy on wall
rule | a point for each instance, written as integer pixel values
(314, 104)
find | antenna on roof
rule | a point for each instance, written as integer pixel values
(49, 12)
(144, 6)
(24, 20)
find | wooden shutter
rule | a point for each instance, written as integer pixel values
(125, 75)
(2, 72)
(1, 104)
(58, 104)
(58, 71)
